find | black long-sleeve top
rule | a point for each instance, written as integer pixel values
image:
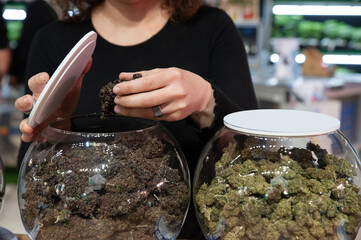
(39, 13)
(209, 45)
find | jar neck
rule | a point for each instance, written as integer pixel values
(79, 128)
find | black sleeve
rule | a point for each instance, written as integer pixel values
(43, 56)
(230, 74)
(39, 14)
(3, 32)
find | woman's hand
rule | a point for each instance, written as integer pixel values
(66, 108)
(179, 93)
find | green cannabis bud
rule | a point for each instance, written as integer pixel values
(258, 194)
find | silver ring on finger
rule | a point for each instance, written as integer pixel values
(157, 111)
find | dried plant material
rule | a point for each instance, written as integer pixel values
(125, 189)
(107, 96)
(259, 194)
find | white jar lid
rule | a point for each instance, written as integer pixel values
(63, 79)
(281, 122)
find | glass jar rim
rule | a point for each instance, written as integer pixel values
(58, 125)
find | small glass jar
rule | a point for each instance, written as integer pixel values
(113, 178)
(278, 174)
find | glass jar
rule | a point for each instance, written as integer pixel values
(278, 174)
(113, 178)
(2, 184)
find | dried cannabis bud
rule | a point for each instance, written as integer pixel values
(125, 189)
(107, 96)
(259, 194)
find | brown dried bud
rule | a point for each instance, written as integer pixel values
(107, 96)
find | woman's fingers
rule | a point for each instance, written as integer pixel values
(37, 83)
(149, 81)
(145, 99)
(26, 130)
(178, 92)
(168, 111)
(129, 75)
(24, 103)
(87, 67)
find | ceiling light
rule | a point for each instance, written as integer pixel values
(342, 59)
(14, 14)
(341, 10)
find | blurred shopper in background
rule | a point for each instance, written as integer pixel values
(39, 13)
(5, 52)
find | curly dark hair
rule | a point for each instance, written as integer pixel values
(179, 10)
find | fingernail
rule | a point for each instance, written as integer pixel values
(25, 99)
(116, 100)
(116, 89)
(42, 77)
(117, 109)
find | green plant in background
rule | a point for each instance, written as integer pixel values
(285, 25)
(310, 29)
(344, 31)
(14, 30)
(330, 34)
(330, 28)
(11, 174)
(337, 34)
(356, 35)
(355, 42)
(345, 70)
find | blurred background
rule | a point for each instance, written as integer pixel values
(21, 20)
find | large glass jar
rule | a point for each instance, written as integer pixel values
(113, 178)
(2, 183)
(278, 174)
